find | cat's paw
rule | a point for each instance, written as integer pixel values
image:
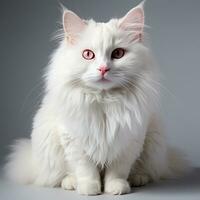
(137, 180)
(117, 186)
(89, 187)
(69, 183)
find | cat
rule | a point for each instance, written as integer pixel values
(98, 123)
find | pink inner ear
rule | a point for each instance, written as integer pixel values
(72, 24)
(134, 21)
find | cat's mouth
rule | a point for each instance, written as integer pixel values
(100, 83)
(104, 80)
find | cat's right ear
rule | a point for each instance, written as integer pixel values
(73, 25)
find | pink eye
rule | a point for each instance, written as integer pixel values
(118, 53)
(88, 54)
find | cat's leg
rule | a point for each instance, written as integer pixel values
(116, 174)
(88, 177)
(116, 179)
(83, 173)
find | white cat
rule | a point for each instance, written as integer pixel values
(99, 116)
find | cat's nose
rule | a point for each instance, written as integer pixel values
(103, 69)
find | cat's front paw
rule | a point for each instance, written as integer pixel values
(117, 186)
(89, 187)
(69, 183)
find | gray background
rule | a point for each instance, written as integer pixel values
(26, 30)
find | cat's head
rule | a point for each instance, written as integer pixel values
(103, 55)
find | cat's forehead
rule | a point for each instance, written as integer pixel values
(102, 35)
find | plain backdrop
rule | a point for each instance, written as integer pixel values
(26, 31)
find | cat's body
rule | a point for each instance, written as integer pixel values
(86, 125)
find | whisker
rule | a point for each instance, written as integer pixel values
(37, 85)
(159, 84)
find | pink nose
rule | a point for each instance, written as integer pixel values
(103, 69)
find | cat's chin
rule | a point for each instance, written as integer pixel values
(102, 84)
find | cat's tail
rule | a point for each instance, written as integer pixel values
(20, 166)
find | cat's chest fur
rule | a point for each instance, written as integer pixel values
(105, 128)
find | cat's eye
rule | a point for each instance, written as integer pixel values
(88, 54)
(118, 53)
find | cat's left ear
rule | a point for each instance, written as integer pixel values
(133, 21)
(73, 25)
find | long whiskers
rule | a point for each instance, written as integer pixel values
(157, 83)
(131, 82)
(131, 87)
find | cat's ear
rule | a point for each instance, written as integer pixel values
(73, 25)
(133, 21)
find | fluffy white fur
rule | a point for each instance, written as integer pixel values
(85, 127)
